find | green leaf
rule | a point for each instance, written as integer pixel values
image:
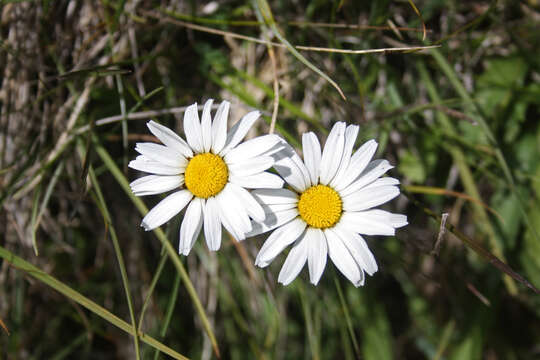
(411, 167)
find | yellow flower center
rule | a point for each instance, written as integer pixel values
(320, 206)
(206, 175)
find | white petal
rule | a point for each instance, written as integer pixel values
(169, 138)
(368, 198)
(228, 224)
(239, 131)
(358, 248)
(275, 196)
(166, 209)
(257, 181)
(377, 219)
(295, 260)
(373, 171)
(317, 254)
(279, 240)
(253, 208)
(350, 139)
(312, 156)
(357, 164)
(272, 221)
(332, 153)
(233, 214)
(385, 181)
(291, 168)
(191, 225)
(219, 127)
(192, 128)
(371, 222)
(252, 148)
(251, 166)
(206, 125)
(161, 153)
(142, 163)
(342, 258)
(212, 224)
(156, 184)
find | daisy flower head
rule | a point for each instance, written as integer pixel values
(209, 172)
(328, 208)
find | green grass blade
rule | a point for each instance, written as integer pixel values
(44, 203)
(67, 350)
(170, 309)
(22, 265)
(153, 283)
(348, 318)
(310, 331)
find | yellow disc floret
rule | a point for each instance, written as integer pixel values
(320, 206)
(206, 175)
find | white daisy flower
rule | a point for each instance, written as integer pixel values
(330, 205)
(212, 171)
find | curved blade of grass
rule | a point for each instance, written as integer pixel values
(421, 19)
(72, 294)
(39, 214)
(173, 255)
(266, 13)
(33, 217)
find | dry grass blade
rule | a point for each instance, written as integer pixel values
(213, 21)
(441, 191)
(271, 54)
(137, 116)
(353, 26)
(421, 19)
(478, 294)
(159, 16)
(442, 230)
(4, 327)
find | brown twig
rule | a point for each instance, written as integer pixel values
(442, 230)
